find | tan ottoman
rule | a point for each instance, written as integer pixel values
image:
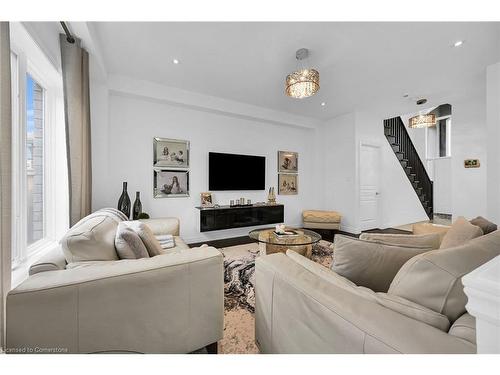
(318, 219)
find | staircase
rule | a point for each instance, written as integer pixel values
(398, 138)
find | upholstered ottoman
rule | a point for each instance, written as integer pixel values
(322, 221)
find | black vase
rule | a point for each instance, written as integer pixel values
(137, 210)
(124, 201)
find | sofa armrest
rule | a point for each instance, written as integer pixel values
(163, 225)
(53, 261)
(170, 303)
(298, 311)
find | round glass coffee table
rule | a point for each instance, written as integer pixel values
(301, 241)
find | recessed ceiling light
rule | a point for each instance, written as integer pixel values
(175, 61)
(458, 43)
(323, 104)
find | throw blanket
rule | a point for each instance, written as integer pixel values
(166, 241)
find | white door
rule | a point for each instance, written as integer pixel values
(369, 193)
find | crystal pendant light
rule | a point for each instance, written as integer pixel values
(422, 120)
(304, 82)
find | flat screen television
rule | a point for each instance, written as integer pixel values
(236, 172)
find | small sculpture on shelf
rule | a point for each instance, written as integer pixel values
(271, 196)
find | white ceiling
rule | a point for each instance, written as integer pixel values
(360, 64)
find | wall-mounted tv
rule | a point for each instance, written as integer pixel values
(236, 172)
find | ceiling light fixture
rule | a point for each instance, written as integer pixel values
(422, 120)
(175, 61)
(304, 82)
(323, 104)
(458, 43)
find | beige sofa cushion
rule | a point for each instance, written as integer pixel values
(433, 279)
(427, 228)
(414, 311)
(430, 240)
(485, 225)
(318, 216)
(164, 225)
(92, 238)
(460, 232)
(368, 263)
(128, 244)
(465, 328)
(147, 237)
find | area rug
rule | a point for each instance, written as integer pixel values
(239, 295)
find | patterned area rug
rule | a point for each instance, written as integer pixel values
(239, 295)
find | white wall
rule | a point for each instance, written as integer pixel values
(443, 185)
(339, 179)
(493, 141)
(468, 141)
(126, 155)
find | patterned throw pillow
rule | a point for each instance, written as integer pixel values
(146, 234)
(128, 244)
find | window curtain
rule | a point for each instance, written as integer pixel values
(5, 173)
(75, 72)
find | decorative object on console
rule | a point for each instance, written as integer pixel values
(271, 196)
(124, 201)
(137, 209)
(206, 199)
(472, 163)
(143, 215)
(172, 153)
(288, 161)
(171, 183)
(304, 82)
(287, 184)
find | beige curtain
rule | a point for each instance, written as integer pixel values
(5, 173)
(75, 70)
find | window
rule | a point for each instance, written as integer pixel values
(40, 207)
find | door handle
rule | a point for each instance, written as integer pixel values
(377, 193)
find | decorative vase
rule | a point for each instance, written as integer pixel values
(124, 201)
(137, 210)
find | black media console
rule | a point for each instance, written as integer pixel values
(227, 217)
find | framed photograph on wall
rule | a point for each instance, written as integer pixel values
(170, 153)
(288, 184)
(288, 162)
(170, 183)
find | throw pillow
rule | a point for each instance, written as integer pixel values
(430, 240)
(128, 243)
(485, 225)
(460, 232)
(92, 238)
(147, 237)
(434, 279)
(370, 264)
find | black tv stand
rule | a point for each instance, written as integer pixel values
(229, 217)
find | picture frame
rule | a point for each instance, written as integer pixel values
(206, 199)
(170, 183)
(288, 184)
(472, 163)
(288, 162)
(170, 153)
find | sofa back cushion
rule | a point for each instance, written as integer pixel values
(431, 240)
(433, 279)
(459, 233)
(485, 225)
(128, 244)
(427, 228)
(92, 238)
(370, 264)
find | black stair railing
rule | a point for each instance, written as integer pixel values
(397, 136)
